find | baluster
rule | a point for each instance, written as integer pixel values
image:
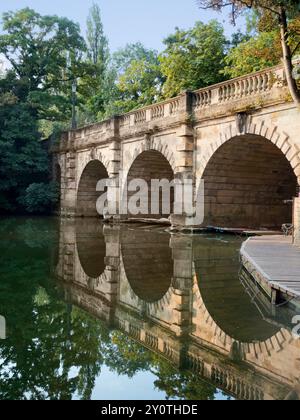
(265, 82)
(233, 91)
(255, 85)
(242, 88)
(225, 93)
(209, 97)
(220, 95)
(246, 87)
(269, 84)
(251, 84)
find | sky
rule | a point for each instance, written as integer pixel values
(128, 21)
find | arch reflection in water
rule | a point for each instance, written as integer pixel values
(217, 269)
(148, 263)
(201, 319)
(91, 246)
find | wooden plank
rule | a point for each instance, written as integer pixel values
(277, 260)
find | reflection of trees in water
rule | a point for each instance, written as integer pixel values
(129, 358)
(47, 342)
(54, 350)
(182, 385)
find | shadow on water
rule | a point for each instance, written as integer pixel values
(87, 304)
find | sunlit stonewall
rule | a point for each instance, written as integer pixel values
(2, 328)
(241, 137)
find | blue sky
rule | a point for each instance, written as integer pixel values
(127, 21)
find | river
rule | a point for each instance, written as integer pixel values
(91, 311)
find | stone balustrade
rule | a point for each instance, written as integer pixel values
(263, 87)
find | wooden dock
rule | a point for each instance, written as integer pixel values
(274, 262)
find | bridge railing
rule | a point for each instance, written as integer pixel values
(159, 111)
(258, 83)
(249, 86)
(267, 86)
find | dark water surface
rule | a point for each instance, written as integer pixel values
(132, 312)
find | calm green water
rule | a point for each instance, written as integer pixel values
(95, 312)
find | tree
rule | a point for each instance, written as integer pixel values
(281, 12)
(257, 53)
(2, 70)
(134, 79)
(140, 85)
(53, 350)
(23, 160)
(181, 384)
(98, 56)
(194, 58)
(38, 48)
(97, 43)
(44, 56)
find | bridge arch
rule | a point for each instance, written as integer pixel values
(87, 195)
(248, 180)
(149, 165)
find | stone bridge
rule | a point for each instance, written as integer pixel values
(172, 299)
(241, 137)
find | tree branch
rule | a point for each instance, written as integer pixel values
(295, 49)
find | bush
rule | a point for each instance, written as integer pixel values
(40, 198)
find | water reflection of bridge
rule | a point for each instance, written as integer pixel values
(180, 297)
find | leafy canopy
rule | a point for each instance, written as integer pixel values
(41, 51)
(194, 58)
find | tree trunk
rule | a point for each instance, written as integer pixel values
(287, 58)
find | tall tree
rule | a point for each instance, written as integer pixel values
(38, 48)
(281, 11)
(98, 56)
(134, 79)
(97, 42)
(43, 53)
(194, 58)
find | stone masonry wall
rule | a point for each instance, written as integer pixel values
(297, 221)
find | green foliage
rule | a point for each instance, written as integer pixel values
(139, 80)
(47, 54)
(97, 43)
(44, 56)
(258, 53)
(53, 349)
(40, 198)
(133, 79)
(126, 357)
(194, 58)
(182, 385)
(270, 16)
(93, 84)
(23, 159)
(239, 6)
(39, 49)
